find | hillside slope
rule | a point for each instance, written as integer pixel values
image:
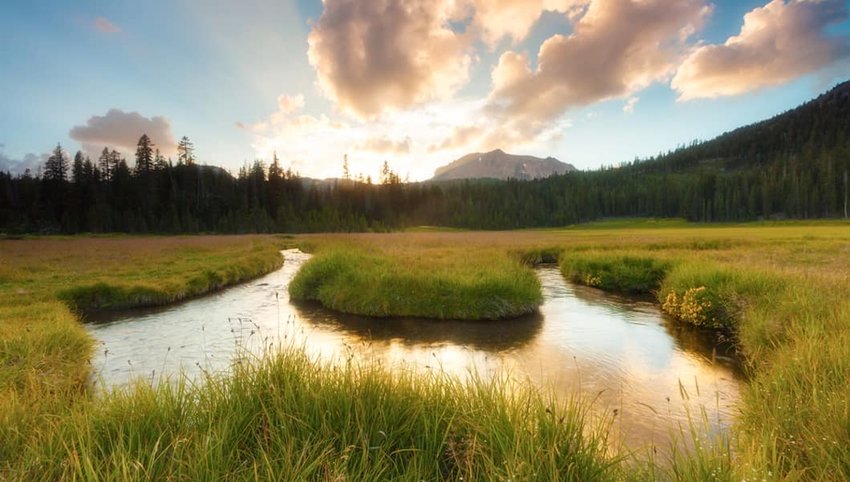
(822, 124)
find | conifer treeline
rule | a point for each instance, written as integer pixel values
(794, 165)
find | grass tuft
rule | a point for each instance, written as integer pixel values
(287, 417)
(615, 272)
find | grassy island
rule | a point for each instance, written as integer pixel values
(441, 283)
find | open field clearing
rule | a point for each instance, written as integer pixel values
(780, 291)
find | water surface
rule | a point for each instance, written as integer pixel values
(623, 352)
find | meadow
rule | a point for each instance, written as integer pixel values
(47, 285)
(779, 289)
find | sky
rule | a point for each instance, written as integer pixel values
(416, 83)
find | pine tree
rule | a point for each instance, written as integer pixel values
(89, 171)
(144, 155)
(103, 163)
(159, 162)
(115, 159)
(185, 152)
(56, 166)
(78, 169)
(275, 171)
(385, 173)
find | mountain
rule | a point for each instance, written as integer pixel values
(501, 165)
(800, 136)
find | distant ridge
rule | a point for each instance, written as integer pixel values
(498, 164)
(821, 125)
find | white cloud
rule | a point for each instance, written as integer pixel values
(496, 19)
(30, 161)
(409, 140)
(288, 104)
(121, 130)
(377, 56)
(777, 43)
(618, 47)
(384, 145)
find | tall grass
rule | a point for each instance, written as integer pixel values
(615, 272)
(287, 417)
(445, 284)
(782, 289)
(45, 351)
(793, 329)
(207, 277)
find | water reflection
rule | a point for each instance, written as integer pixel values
(622, 351)
(713, 346)
(491, 336)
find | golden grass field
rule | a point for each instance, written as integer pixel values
(45, 349)
(785, 285)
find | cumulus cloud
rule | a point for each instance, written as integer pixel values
(288, 104)
(384, 145)
(375, 56)
(777, 43)
(631, 102)
(103, 25)
(121, 130)
(617, 48)
(460, 137)
(496, 19)
(31, 162)
(314, 145)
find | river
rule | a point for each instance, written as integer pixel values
(623, 353)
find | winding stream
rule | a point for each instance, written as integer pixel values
(624, 353)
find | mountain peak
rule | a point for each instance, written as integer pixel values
(497, 164)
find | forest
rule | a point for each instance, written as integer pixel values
(794, 165)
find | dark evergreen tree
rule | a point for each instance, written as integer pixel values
(56, 166)
(104, 163)
(78, 169)
(144, 155)
(185, 152)
(159, 162)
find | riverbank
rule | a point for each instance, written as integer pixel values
(792, 326)
(45, 351)
(286, 417)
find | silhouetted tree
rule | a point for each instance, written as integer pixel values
(185, 152)
(144, 155)
(56, 166)
(78, 169)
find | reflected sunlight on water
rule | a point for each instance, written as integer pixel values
(621, 351)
